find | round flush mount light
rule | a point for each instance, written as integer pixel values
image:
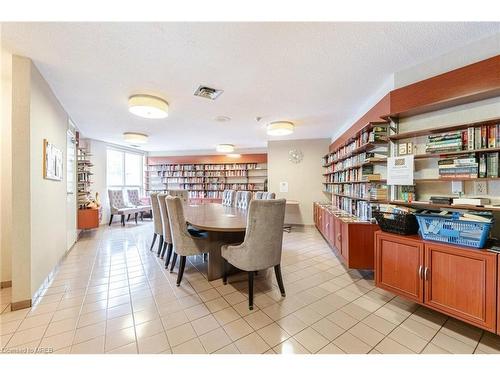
(280, 128)
(227, 148)
(135, 138)
(148, 106)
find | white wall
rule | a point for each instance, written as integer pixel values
(5, 166)
(304, 179)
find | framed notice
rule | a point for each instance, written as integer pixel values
(400, 170)
(52, 162)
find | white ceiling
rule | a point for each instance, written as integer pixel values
(317, 75)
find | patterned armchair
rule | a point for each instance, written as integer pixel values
(243, 199)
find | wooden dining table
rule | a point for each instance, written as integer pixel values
(224, 225)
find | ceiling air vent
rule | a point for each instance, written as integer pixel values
(208, 92)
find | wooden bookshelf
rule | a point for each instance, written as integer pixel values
(206, 177)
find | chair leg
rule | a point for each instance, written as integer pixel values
(182, 265)
(279, 279)
(163, 250)
(169, 255)
(123, 220)
(135, 217)
(142, 216)
(128, 217)
(160, 245)
(224, 271)
(250, 289)
(174, 259)
(110, 219)
(153, 243)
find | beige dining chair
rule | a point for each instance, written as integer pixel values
(261, 248)
(182, 194)
(268, 195)
(184, 243)
(228, 197)
(157, 224)
(167, 237)
(243, 199)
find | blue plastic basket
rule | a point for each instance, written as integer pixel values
(452, 230)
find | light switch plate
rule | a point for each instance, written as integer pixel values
(480, 187)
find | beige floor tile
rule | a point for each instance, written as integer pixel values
(389, 346)
(462, 331)
(59, 341)
(380, 324)
(93, 346)
(120, 310)
(251, 344)
(89, 332)
(180, 334)
(26, 336)
(490, 343)
(408, 339)
(92, 318)
(367, 334)
(120, 322)
(237, 329)
(420, 329)
(357, 312)
(175, 319)
(209, 295)
(235, 297)
(217, 304)
(351, 344)
(291, 324)
(243, 309)
(429, 317)
(193, 346)
(35, 321)
(4, 339)
(153, 344)
(119, 338)
(307, 315)
(9, 327)
(331, 349)
(205, 324)
(196, 312)
(229, 349)
(258, 320)
(451, 344)
(328, 329)
(434, 349)
(215, 340)
(311, 340)
(342, 319)
(126, 349)
(150, 328)
(146, 316)
(290, 346)
(273, 334)
(390, 315)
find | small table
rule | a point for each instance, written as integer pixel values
(223, 224)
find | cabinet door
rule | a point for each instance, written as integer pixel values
(398, 265)
(462, 283)
(330, 233)
(344, 240)
(498, 296)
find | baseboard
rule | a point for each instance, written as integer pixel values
(5, 284)
(20, 305)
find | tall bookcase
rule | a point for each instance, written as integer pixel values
(355, 171)
(205, 178)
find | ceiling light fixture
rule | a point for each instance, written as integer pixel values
(226, 148)
(222, 118)
(135, 138)
(280, 128)
(148, 106)
(234, 156)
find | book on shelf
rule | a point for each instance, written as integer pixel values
(471, 201)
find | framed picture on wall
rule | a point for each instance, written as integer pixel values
(52, 162)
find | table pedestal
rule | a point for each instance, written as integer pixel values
(216, 240)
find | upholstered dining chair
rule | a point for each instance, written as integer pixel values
(184, 243)
(268, 195)
(261, 248)
(117, 205)
(228, 197)
(182, 194)
(135, 200)
(165, 224)
(259, 195)
(243, 199)
(157, 224)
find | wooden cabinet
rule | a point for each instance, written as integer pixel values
(337, 230)
(457, 281)
(399, 265)
(88, 218)
(462, 283)
(498, 298)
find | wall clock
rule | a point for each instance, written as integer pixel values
(295, 156)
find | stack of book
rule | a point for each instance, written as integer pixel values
(378, 133)
(446, 142)
(378, 192)
(459, 167)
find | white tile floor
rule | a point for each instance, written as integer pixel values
(112, 295)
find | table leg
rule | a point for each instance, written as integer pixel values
(216, 240)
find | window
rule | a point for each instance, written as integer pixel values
(124, 169)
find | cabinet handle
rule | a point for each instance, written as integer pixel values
(327, 225)
(338, 237)
(420, 271)
(426, 272)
